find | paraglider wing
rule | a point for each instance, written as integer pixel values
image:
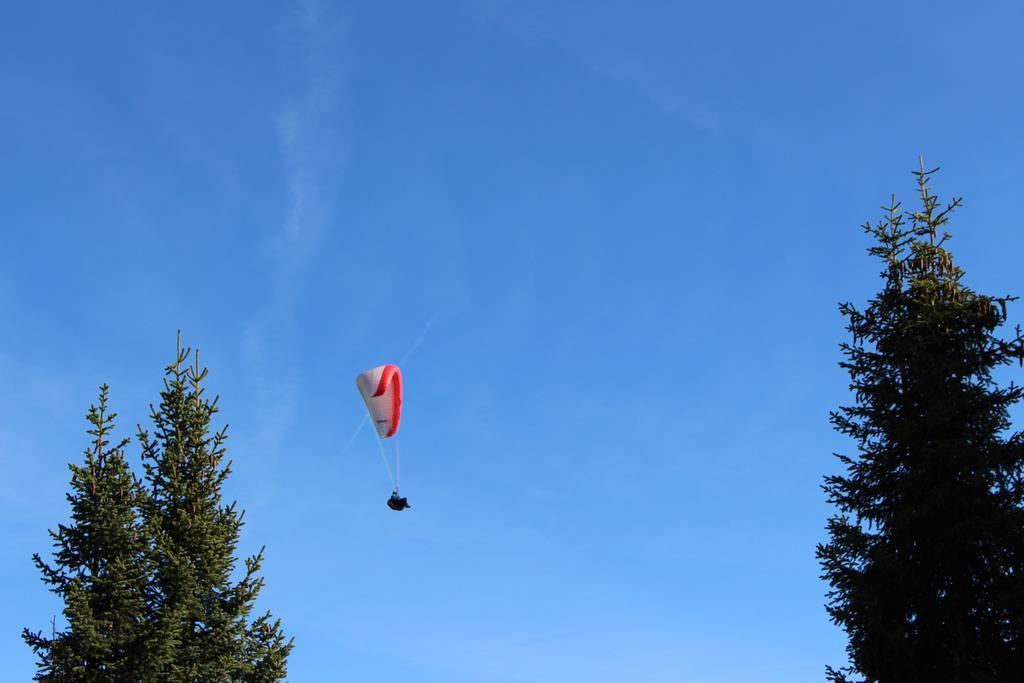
(381, 389)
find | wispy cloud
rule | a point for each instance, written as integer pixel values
(672, 99)
(613, 60)
(315, 144)
(315, 141)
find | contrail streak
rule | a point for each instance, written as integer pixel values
(419, 340)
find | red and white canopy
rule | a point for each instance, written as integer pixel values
(381, 389)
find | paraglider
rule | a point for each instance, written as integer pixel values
(381, 389)
(397, 503)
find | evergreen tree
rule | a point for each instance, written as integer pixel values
(100, 569)
(926, 552)
(201, 616)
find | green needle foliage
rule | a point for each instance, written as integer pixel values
(147, 569)
(201, 616)
(926, 552)
(100, 571)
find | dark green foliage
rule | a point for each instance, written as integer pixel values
(146, 572)
(926, 554)
(201, 616)
(100, 570)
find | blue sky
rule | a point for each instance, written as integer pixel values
(609, 240)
